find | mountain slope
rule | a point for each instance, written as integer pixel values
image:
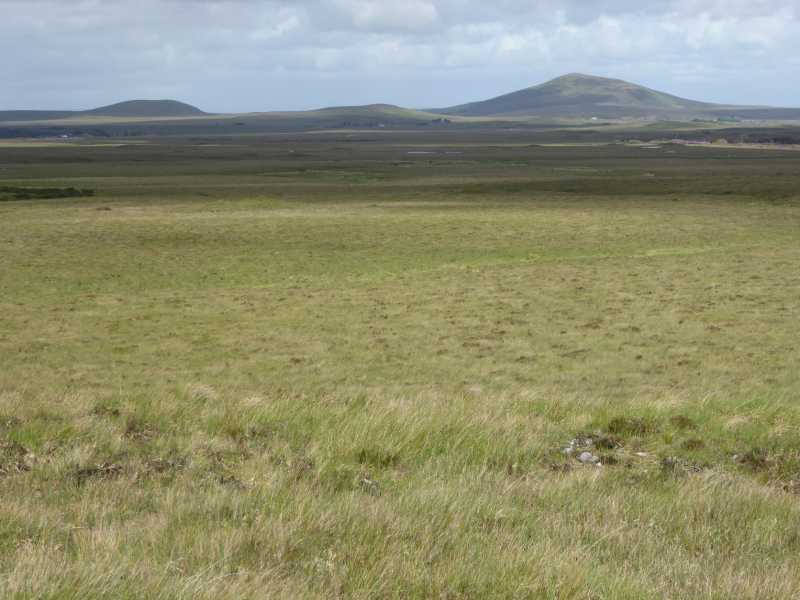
(578, 95)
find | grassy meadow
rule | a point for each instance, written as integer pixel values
(366, 365)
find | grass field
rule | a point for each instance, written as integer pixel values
(331, 366)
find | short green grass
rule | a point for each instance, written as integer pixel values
(236, 373)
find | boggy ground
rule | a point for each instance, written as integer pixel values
(321, 366)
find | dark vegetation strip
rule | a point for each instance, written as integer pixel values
(22, 193)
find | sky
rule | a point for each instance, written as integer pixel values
(260, 55)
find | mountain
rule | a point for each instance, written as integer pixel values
(578, 95)
(125, 110)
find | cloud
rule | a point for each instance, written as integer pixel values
(234, 55)
(410, 15)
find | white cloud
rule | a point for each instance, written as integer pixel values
(268, 54)
(409, 15)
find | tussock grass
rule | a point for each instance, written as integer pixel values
(390, 496)
(366, 389)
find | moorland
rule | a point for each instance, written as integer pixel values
(450, 363)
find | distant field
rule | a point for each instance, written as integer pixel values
(328, 366)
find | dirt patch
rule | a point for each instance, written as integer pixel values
(100, 471)
(682, 422)
(755, 460)
(14, 458)
(607, 442)
(693, 444)
(138, 431)
(9, 422)
(632, 426)
(106, 410)
(161, 466)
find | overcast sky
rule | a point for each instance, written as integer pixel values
(253, 55)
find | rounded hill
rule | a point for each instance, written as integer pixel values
(147, 108)
(579, 95)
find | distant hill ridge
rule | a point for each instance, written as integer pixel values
(127, 109)
(572, 96)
